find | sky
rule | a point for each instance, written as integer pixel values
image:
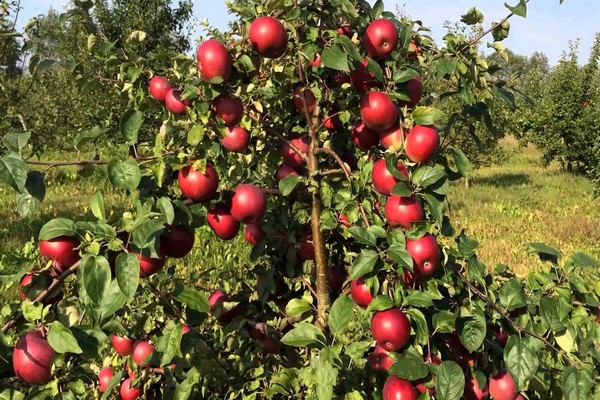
(548, 28)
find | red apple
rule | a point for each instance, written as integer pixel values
(474, 392)
(378, 111)
(316, 62)
(361, 78)
(177, 242)
(129, 392)
(229, 109)
(304, 100)
(174, 103)
(380, 38)
(414, 87)
(159, 87)
(142, 352)
(413, 50)
(344, 221)
(269, 345)
(122, 345)
(501, 334)
(268, 37)
(62, 250)
(292, 158)
(222, 223)
(213, 60)
(403, 211)
(337, 277)
(284, 171)
(32, 358)
(364, 138)
(198, 185)
(104, 377)
(383, 180)
(346, 30)
(248, 204)
(502, 386)
(426, 254)
(380, 359)
(25, 281)
(393, 137)
(254, 234)
(361, 294)
(236, 139)
(399, 389)
(306, 249)
(217, 298)
(422, 143)
(391, 329)
(332, 121)
(148, 265)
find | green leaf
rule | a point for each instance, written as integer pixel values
(97, 206)
(466, 245)
(419, 299)
(435, 207)
(297, 307)
(520, 9)
(11, 394)
(195, 135)
(363, 263)
(461, 161)
(410, 366)
(57, 227)
(554, 312)
(326, 379)
(43, 65)
(402, 189)
(183, 391)
(473, 16)
(521, 362)
(426, 176)
(380, 302)
(146, 234)
(302, 335)
(95, 273)
(545, 252)
(363, 236)
(166, 209)
(16, 141)
(128, 274)
(130, 125)
(420, 325)
(288, 184)
(404, 75)
(33, 195)
(512, 295)
(345, 7)
(577, 384)
(445, 67)
(124, 174)
(113, 300)
(341, 314)
(450, 381)
(85, 137)
(349, 47)
(398, 253)
(192, 298)
(336, 58)
(114, 382)
(444, 321)
(169, 343)
(426, 115)
(583, 260)
(61, 339)
(472, 331)
(13, 171)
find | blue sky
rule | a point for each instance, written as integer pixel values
(548, 28)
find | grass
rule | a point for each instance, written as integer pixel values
(508, 205)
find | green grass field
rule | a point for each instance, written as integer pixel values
(507, 206)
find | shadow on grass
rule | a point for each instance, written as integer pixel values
(503, 180)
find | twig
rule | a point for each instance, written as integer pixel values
(309, 286)
(273, 131)
(42, 295)
(159, 295)
(328, 151)
(363, 215)
(329, 172)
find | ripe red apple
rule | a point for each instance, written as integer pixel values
(248, 204)
(501, 334)
(122, 345)
(306, 249)
(426, 254)
(364, 138)
(229, 109)
(378, 111)
(398, 389)
(159, 87)
(292, 158)
(413, 50)
(403, 211)
(380, 38)
(474, 392)
(268, 37)
(222, 223)
(213, 60)
(174, 103)
(316, 62)
(254, 234)
(26, 280)
(343, 220)
(304, 100)
(236, 139)
(104, 377)
(332, 121)
(148, 265)
(391, 329)
(337, 277)
(284, 171)
(422, 143)
(346, 30)
(62, 250)
(502, 386)
(269, 345)
(197, 185)
(177, 242)
(393, 137)
(361, 78)
(32, 358)
(217, 298)
(383, 180)
(129, 392)
(142, 352)
(380, 359)
(361, 294)
(414, 87)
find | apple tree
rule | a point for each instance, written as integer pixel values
(302, 126)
